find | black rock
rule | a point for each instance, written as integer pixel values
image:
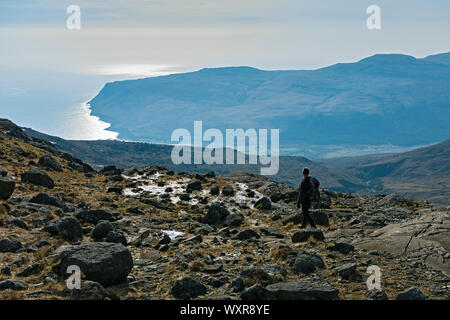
(238, 284)
(94, 216)
(301, 290)
(348, 272)
(44, 198)
(50, 163)
(34, 269)
(7, 186)
(194, 185)
(116, 237)
(263, 203)
(37, 177)
(412, 293)
(376, 295)
(255, 292)
(304, 262)
(304, 234)
(188, 288)
(102, 229)
(106, 263)
(272, 233)
(216, 214)
(13, 284)
(342, 247)
(234, 220)
(115, 189)
(228, 191)
(7, 245)
(246, 235)
(18, 223)
(67, 227)
(215, 190)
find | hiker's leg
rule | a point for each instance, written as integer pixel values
(304, 214)
(307, 216)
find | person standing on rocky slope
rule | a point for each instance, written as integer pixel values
(306, 189)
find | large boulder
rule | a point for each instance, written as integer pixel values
(37, 177)
(13, 284)
(50, 163)
(264, 203)
(67, 227)
(194, 185)
(304, 262)
(95, 215)
(7, 245)
(412, 293)
(301, 290)
(105, 263)
(216, 214)
(348, 272)
(187, 288)
(234, 220)
(7, 186)
(46, 199)
(304, 234)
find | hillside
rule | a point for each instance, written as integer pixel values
(149, 233)
(384, 99)
(133, 154)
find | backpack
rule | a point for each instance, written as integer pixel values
(315, 193)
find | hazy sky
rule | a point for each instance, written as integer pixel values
(48, 71)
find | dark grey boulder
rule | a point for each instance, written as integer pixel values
(228, 191)
(37, 177)
(90, 290)
(238, 284)
(94, 216)
(412, 293)
(188, 288)
(7, 245)
(348, 272)
(31, 270)
(115, 189)
(18, 223)
(376, 295)
(106, 263)
(342, 247)
(215, 190)
(301, 290)
(255, 292)
(194, 185)
(320, 218)
(263, 203)
(7, 187)
(304, 262)
(45, 199)
(102, 229)
(13, 284)
(216, 214)
(234, 220)
(272, 233)
(49, 162)
(304, 234)
(116, 237)
(67, 227)
(246, 235)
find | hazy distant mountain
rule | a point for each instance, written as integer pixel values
(384, 99)
(443, 58)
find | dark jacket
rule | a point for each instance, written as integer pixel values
(305, 191)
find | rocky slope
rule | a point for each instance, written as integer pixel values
(150, 233)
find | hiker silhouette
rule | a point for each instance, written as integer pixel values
(306, 190)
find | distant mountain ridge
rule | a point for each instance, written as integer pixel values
(384, 99)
